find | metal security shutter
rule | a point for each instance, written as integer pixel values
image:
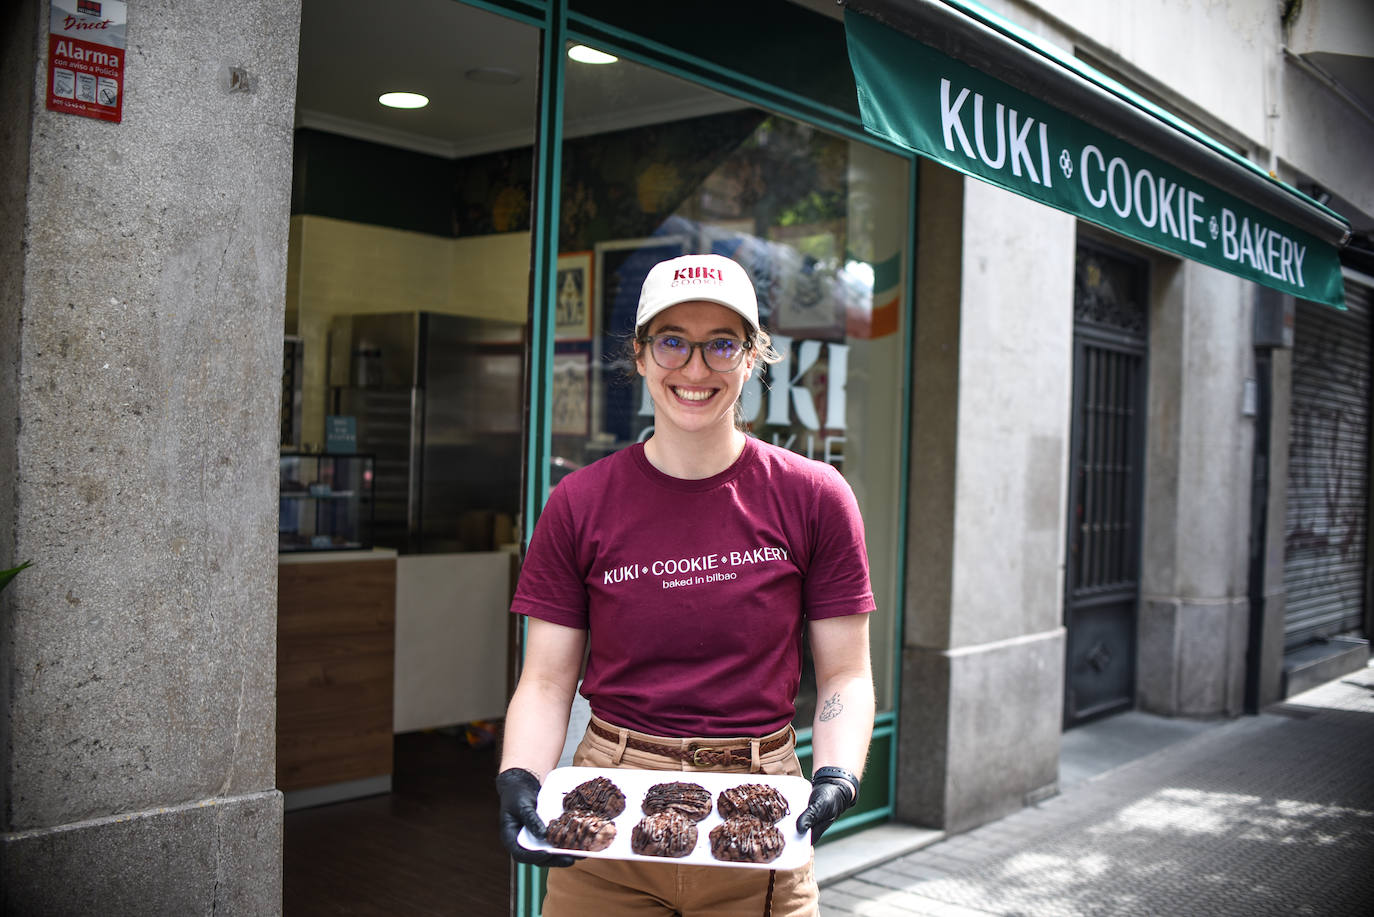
(1326, 532)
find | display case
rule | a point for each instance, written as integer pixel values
(326, 502)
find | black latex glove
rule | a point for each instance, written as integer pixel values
(828, 801)
(519, 791)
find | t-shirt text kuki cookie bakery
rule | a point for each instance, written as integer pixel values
(704, 657)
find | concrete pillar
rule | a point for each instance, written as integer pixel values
(1194, 608)
(141, 312)
(983, 652)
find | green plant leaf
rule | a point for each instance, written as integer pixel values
(12, 572)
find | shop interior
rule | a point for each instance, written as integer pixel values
(403, 395)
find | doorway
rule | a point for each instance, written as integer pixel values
(407, 224)
(407, 302)
(1106, 477)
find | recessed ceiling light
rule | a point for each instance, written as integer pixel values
(585, 55)
(403, 100)
(498, 76)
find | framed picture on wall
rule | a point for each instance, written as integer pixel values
(621, 266)
(802, 288)
(721, 237)
(572, 297)
(571, 394)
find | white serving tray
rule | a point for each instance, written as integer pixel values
(796, 851)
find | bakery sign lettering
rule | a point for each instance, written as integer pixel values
(86, 42)
(945, 110)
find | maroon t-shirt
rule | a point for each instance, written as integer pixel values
(694, 593)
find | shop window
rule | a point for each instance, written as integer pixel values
(654, 167)
(410, 253)
(408, 299)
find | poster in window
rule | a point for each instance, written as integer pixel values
(572, 297)
(571, 394)
(621, 267)
(804, 289)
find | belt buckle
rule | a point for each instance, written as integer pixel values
(698, 749)
(727, 755)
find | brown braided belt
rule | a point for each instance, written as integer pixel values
(696, 755)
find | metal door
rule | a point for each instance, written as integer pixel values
(1326, 532)
(1102, 590)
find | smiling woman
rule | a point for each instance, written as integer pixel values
(692, 395)
(693, 671)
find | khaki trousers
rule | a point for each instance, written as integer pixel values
(630, 888)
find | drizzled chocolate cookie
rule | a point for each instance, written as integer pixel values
(664, 834)
(580, 831)
(756, 799)
(689, 799)
(746, 839)
(598, 796)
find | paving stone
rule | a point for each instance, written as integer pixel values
(837, 900)
(916, 870)
(971, 846)
(950, 864)
(1267, 815)
(876, 901)
(965, 855)
(892, 878)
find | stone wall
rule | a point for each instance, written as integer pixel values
(143, 312)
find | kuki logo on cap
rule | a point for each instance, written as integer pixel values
(698, 273)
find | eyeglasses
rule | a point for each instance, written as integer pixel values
(673, 351)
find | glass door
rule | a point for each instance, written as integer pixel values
(654, 166)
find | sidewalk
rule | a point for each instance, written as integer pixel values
(1263, 815)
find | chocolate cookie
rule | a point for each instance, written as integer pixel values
(664, 834)
(746, 839)
(580, 831)
(763, 802)
(597, 796)
(690, 799)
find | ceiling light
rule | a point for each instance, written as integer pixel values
(497, 76)
(585, 55)
(403, 100)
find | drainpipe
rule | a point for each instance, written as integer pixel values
(1274, 316)
(1259, 522)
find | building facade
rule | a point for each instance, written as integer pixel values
(1097, 474)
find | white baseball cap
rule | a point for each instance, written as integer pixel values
(690, 278)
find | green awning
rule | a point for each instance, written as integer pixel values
(1168, 185)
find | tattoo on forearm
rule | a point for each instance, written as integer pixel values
(831, 708)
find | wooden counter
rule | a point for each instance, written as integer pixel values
(336, 615)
